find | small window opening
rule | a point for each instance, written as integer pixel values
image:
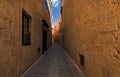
(61, 10)
(26, 35)
(81, 60)
(39, 50)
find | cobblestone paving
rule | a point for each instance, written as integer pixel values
(54, 63)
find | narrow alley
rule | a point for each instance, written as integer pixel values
(59, 38)
(54, 63)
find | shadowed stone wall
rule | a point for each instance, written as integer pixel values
(92, 29)
(15, 58)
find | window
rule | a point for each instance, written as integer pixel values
(39, 50)
(45, 5)
(61, 10)
(26, 36)
(81, 60)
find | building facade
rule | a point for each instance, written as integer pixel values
(58, 31)
(50, 7)
(91, 35)
(25, 34)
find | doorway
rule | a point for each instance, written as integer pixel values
(44, 34)
(44, 41)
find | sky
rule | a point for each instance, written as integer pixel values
(55, 10)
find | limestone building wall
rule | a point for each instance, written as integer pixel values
(91, 35)
(58, 31)
(14, 57)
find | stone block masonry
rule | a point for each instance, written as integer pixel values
(15, 58)
(91, 28)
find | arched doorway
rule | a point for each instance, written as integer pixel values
(44, 34)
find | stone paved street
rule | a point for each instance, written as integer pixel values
(54, 63)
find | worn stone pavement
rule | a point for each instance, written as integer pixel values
(54, 63)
